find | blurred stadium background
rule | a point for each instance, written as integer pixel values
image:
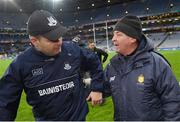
(91, 19)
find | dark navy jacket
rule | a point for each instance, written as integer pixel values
(52, 84)
(143, 86)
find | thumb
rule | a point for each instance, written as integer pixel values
(89, 97)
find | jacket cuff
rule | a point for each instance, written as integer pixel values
(96, 86)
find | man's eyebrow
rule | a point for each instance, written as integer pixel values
(117, 32)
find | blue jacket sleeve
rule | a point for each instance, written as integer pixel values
(91, 63)
(10, 92)
(169, 92)
(107, 89)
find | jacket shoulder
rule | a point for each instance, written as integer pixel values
(114, 58)
(159, 57)
(23, 56)
(71, 47)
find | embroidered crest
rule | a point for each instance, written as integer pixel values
(141, 79)
(67, 66)
(52, 21)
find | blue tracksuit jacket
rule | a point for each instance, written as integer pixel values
(143, 86)
(52, 84)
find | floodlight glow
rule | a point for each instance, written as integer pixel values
(10, 0)
(13, 2)
(144, 29)
(56, 0)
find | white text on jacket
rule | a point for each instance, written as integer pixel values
(56, 89)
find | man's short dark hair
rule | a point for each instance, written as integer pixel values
(90, 41)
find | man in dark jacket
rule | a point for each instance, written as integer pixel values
(99, 52)
(140, 81)
(49, 73)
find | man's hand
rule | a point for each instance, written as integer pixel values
(95, 97)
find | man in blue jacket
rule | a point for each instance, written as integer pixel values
(49, 73)
(140, 81)
(103, 55)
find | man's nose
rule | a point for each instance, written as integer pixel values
(113, 39)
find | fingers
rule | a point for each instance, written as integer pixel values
(96, 102)
(95, 97)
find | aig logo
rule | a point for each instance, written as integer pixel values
(38, 71)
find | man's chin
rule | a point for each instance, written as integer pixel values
(117, 51)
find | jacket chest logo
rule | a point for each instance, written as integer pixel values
(112, 78)
(67, 66)
(38, 71)
(140, 79)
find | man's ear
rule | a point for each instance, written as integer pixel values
(133, 40)
(33, 40)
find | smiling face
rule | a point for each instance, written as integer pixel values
(47, 47)
(124, 44)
